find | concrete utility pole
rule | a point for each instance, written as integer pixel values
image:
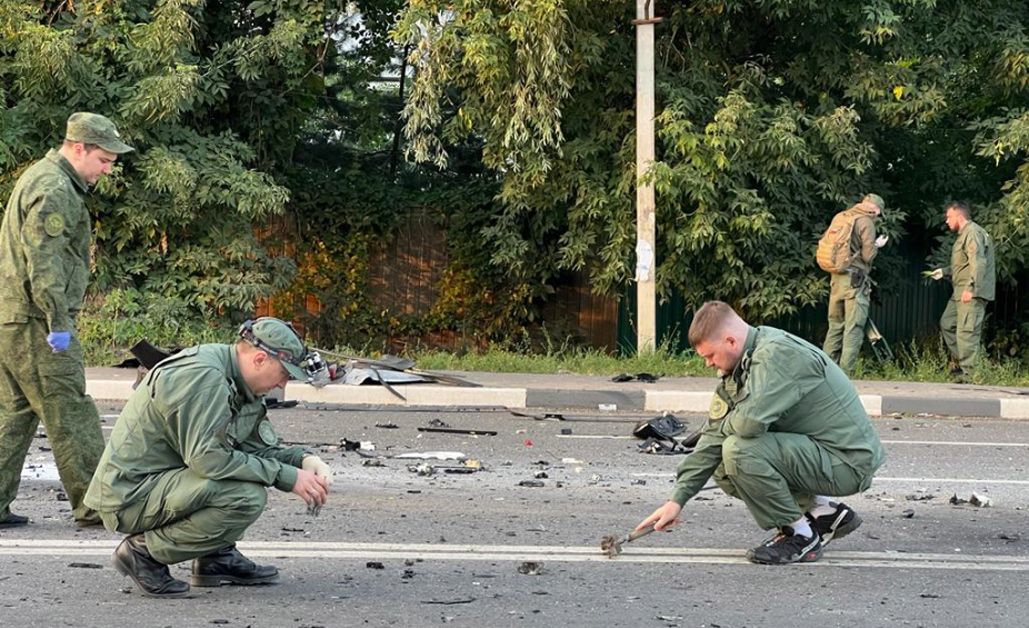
(646, 299)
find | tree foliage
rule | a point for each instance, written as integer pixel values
(772, 115)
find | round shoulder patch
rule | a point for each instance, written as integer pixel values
(719, 408)
(267, 433)
(53, 224)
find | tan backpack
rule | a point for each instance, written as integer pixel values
(834, 255)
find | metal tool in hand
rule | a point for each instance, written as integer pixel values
(613, 547)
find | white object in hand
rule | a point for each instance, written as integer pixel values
(881, 241)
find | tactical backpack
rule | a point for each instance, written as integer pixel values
(834, 255)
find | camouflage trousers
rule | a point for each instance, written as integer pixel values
(962, 328)
(185, 516)
(848, 312)
(778, 475)
(39, 385)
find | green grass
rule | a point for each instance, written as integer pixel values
(914, 363)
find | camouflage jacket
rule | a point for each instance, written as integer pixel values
(972, 264)
(44, 245)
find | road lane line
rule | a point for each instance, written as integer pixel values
(888, 479)
(553, 553)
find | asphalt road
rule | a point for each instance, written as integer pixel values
(452, 546)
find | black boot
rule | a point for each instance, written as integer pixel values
(227, 565)
(133, 559)
(13, 521)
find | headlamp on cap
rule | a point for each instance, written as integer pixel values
(310, 362)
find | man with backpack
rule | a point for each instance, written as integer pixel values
(846, 251)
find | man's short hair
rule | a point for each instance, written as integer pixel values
(85, 146)
(709, 320)
(961, 208)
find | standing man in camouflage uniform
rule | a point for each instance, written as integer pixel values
(849, 291)
(186, 469)
(44, 269)
(972, 272)
(786, 430)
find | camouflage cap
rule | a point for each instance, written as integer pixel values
(875, 198)
(281, 341)
(93, 128)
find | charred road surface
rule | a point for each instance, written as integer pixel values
(513, 538)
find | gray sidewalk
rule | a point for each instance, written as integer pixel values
(587, 392)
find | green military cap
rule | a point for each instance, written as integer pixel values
(93, 128)
(280, 340)
(875, 198)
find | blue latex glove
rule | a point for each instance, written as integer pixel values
(59, 340)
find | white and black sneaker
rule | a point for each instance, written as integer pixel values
(836, 525)
(786, 547)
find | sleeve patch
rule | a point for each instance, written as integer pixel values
(53, 225)
(267, 434)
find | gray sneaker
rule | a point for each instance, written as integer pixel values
(786, 547)
(836, 525)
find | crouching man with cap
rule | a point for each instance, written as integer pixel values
(185, 471)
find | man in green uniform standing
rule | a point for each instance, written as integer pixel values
(44, 269)
(849, 290)
(786, 430)
(186, 469)
(972, 272)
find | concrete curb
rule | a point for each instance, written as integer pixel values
(638, 400)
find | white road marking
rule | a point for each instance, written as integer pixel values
(553, 553)
(947, 443)
(884, 479)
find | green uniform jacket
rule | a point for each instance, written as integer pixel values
(972, 266)
(44, 245)
(193, 410)
(862, 238)
(782, 384)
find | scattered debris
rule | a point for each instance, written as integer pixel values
(980, 501)
(373, 462)
(668, 617)
(453, 430)
(646, 378)
(458, 470)
(930, 596)
(438, 423)
(85, 566)
(909, 513)
(423, 469)
(530, 568)
(607, 407)
(354, 445)
(571, 461)
(637, 482)
(448, 602)
(955, 500)
(540, 475)
(374, 565)
(1009, 537)
(528, 442)
(532, 483)
(408, 574)
(923, 497)
(431, 455)
(566, 431)
(386, 426)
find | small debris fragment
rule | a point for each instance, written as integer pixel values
(530, 568)
(423, 469)
(532, 483)
(85, 566)
(374, 565)
(408, 574)
(372, 462)
(980, 501)
(438, 423)
(607, 407)
(528, 442)
(909, 513)
(448, 602)
(930, 596)
(1009, 537)
(386, 426)
(955, 500)
(637, 482)
(432, 455)
(540, 475)
(566, 431)
(922, 497)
